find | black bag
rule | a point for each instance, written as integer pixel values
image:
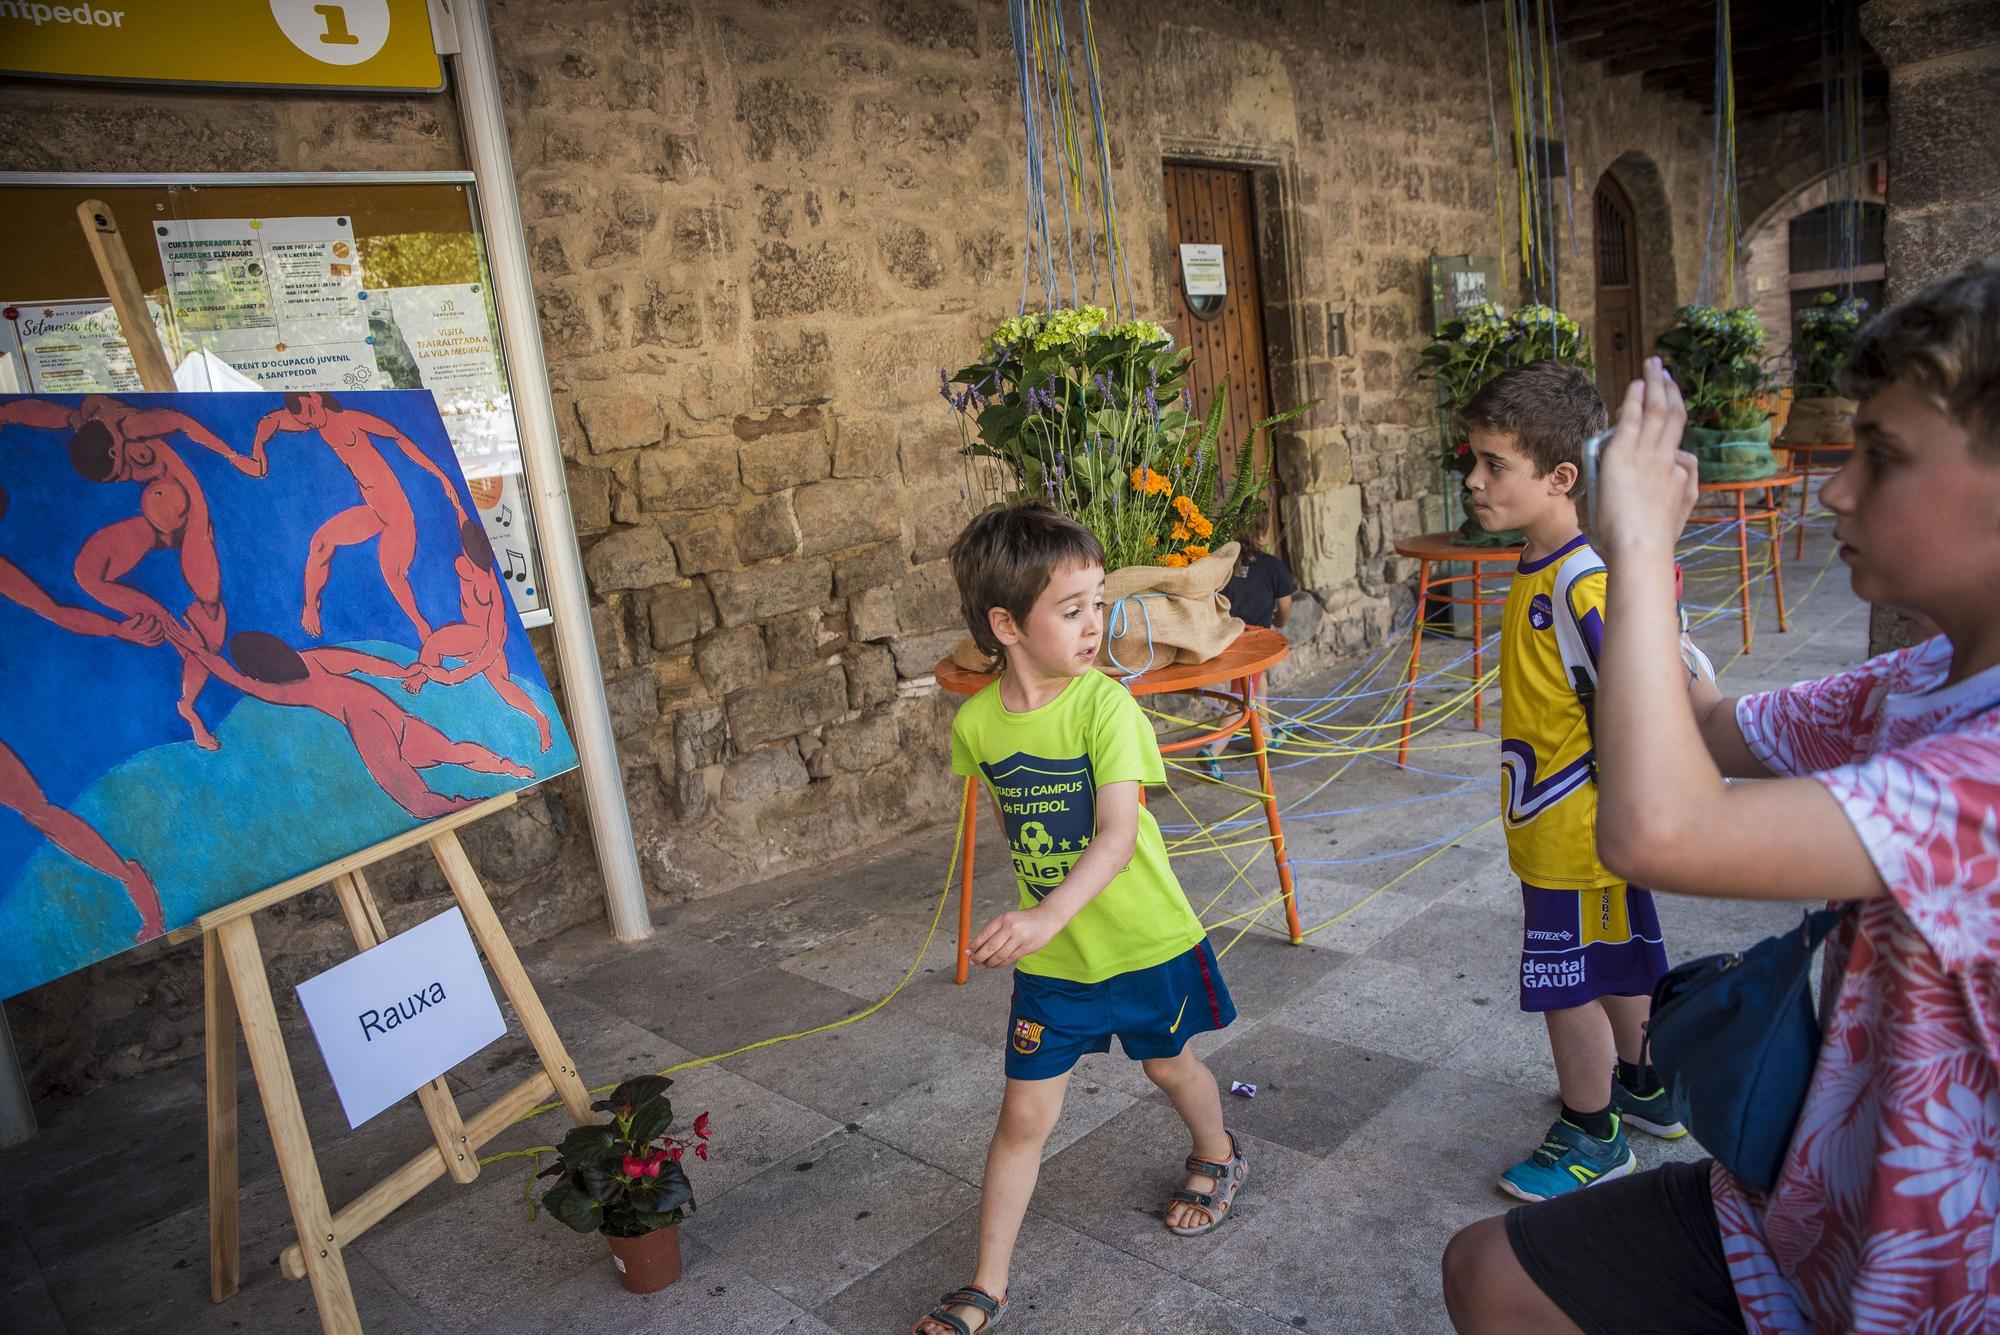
(1735, 1039)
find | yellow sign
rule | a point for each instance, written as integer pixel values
(353, 45)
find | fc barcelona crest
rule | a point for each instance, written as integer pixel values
(1027, 1037)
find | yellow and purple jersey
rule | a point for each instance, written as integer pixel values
(1550, 638)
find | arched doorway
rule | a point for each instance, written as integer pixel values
(1620, 302)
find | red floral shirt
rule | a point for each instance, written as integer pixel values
(1883, 1218)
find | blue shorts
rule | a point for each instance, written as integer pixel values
(1153, 1012)
(1579, 945)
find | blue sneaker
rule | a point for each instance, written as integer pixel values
(1211, 764)
(1652, 1114)
(1569, 1160)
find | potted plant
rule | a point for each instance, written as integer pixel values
(624, 1179)
(1097, 419)
(1469, 350)
(1717, 358)
(1823, 335)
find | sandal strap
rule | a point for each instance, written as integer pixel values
(1202, 1198)
(1208, 1167)
(945, 1318)
(971, 1295)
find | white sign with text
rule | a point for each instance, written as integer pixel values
(1202, 274)
(396, 1017)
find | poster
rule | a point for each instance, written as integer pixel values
(69, 347)
(263, 284)
(197, 711)
(1202, 274)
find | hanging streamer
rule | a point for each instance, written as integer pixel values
(1718, 274)
(1058, 141)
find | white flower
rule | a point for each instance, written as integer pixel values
(1954, 1157)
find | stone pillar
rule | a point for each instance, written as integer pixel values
(1944, 175)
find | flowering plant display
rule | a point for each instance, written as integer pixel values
(1822, 336)
(624, 1177)
(1717, 358)
(1471, 348)
(1097, 418)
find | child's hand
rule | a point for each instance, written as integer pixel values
(1646, 484)
(1012, 935)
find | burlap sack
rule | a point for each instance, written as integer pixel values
(1156, 615)
(1820, 421)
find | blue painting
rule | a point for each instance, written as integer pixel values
(242, 636)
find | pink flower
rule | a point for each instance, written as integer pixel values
(701, 1153)
(701, 1127)
(632, 1167)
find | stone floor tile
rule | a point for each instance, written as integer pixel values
(813, 1225)
(1114, 1184)
(1350, 917)
(1387, 1007)
(664, 979)
(716, 1016)
(1263, 972)
(1312, 1092)
(1460, 949)
(1188, 1309)
(848, 1072)
(713, 1296)
(1062, 1281)
(752, 1127)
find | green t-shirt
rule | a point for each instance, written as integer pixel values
(1044, 768)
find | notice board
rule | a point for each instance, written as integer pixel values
(307, 281)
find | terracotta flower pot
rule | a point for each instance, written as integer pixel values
(648, 1263)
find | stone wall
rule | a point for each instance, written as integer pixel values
(758, 230)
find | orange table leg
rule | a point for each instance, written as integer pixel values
(970, 826)
(1271, 807)
(1478, 645)
(1416, 659)
(1805, 493)
(1743, 565)
(1778, 559)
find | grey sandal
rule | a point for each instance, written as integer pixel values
(970, 1296)
(1216, 1201)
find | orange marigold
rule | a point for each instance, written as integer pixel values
(1150, 481)
(1173, 559)
(1180, 533)
(1201, 526)
(1194, 551)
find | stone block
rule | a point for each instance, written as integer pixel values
(864, 448)
(871, 614)
(774, 463)
(932, 518)
(767, 529)
(918, 655)
(701, 738)
(786, 706)
(832, 515)
(632, 558)
(607, 626)
(1314, 459)
(620, 420)
(883, 563)
(763, 774)
(780, 117)
(690, 475)
(634, 698)
(732, 659)
(783, 371)
(765, 591)
(927, 600)
(929, 450)
(1325, 528)
(589, 498)
(911, 255)
(514, 843)
(704, 542)
(792, 641)
(804, 280)
(871, 675)
(680, 615)
(863, 743)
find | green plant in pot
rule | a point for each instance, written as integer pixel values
(623, 1178)
(1467, 351)
(1717, 358)
(1822, 336)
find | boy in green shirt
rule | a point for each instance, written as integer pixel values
(1104, 942)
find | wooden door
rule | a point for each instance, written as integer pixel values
(1620, 341)
(1226, 334)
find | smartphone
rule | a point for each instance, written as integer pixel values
(1591, 449)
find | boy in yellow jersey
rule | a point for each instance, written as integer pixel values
(1591, 948)
(1104, 942)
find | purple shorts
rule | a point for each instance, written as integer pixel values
(1579, 945)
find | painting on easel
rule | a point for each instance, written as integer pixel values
(242, 636)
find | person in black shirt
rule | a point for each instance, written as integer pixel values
(1260, 592)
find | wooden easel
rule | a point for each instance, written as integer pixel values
(236, 988)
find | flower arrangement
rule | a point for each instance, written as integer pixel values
(1098, 418)
(1823, 335)
(1473, 347)
(1717, 358)
(624, 1177)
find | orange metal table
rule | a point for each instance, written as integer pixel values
(1810, 461)
(1429, 552)
(1731, 503)
(1237, 668)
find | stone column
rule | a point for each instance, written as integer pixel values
(1944, 179)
